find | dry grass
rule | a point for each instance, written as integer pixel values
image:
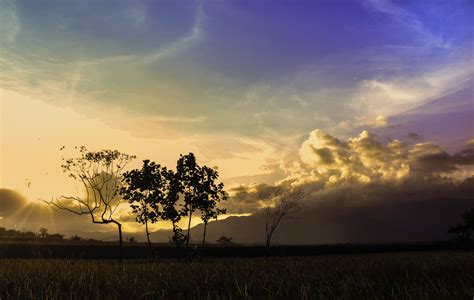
(380, 276)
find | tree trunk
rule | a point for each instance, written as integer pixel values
(188, 237)
(204, 235)
(176, 241)
(120, 241)
(148, 239)
(267, 248)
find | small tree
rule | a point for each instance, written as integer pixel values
(146, 190)
(99, 173)
(463, 233)
(281, 205)
(210, 195)
(200, 192)
(76, 238)
(170, 210)
(224, 240)
(188, 174)
(43, 232)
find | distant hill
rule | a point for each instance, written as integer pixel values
(400, 217)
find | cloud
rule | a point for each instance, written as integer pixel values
(137, 16)
(363, 121)
(407, 18)
(194, 35)
(429, 158)
(10, 25)
(10, 202)
(398, 94)
(405, 211)
(328, 163)
(466, 155)
(361, 158)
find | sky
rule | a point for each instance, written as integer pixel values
(246, 85)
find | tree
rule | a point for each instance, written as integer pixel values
(188, 174)
(76, 238)
(224, 240)
(210, 195)
(281, 205)
(170, 211)
(146, 190)
(200, 192)
(463, 233)
(43, 232)
(99, 173)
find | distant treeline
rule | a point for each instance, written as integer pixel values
(41, 235)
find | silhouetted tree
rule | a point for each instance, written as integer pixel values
(76, 238)
(210, 195)
(281, 205)
(171, 211)
(199, 190)
(99, 173)
(224, 240)
(463, 233)
(188, 174)
(146, 190)
(43, 232)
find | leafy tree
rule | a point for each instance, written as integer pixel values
(281, 205)
(146, 190)
(99, 173)
(170, 209)
(188, 174)
(210, 195)
(199, 190)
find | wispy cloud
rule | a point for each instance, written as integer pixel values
(395, 95)
(10, 25)
(181, 44)
(194, 35)
(408, 18)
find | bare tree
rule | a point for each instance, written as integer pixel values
(99, 173)
(281, 205)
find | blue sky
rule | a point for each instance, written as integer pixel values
(241, 79)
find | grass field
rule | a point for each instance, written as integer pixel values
(441, 275)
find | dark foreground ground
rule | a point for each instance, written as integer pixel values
(433, 275)
(110, 250)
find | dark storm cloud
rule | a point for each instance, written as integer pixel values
(10, 202)
(405, 211)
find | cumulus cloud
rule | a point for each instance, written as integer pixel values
(328, 163)
(364, 159)
(360, 190)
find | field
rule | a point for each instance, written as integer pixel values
(421, 275)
